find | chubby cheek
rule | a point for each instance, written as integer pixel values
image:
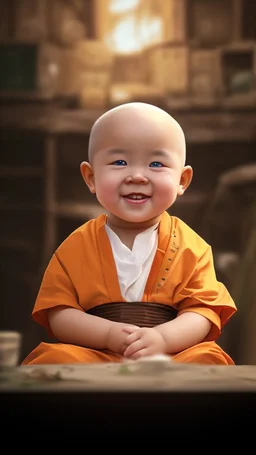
(166, 191)
(106, 189)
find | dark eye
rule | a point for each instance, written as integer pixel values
(119, 163)
(156, 164)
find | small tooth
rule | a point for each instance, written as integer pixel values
(135, 197)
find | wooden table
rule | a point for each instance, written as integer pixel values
(134, 394)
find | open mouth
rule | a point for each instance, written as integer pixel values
(136, 196)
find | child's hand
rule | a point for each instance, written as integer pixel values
(117, 336)
(144, 342)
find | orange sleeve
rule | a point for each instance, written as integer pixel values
(56, 290)
(205, 295)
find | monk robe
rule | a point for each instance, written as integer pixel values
(82, 275)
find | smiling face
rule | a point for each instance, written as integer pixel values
(137, 168)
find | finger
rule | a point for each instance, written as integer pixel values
(129, 329)
(139, 354)
(132, 338)
(133, 348)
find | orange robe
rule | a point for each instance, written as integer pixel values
(82, 274)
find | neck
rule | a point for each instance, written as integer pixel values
(127, 231)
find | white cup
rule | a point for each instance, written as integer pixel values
(10, 344)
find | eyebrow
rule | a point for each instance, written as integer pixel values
(116, 151)
(157, 153)
(160, 153)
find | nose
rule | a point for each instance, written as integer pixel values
(137, 178)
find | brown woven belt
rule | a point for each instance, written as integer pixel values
(142, 314)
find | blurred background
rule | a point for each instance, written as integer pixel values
(62, 64)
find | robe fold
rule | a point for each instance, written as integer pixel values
(82, 274)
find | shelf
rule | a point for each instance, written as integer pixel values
(200, 125)
(21, 171)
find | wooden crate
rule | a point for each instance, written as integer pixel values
(174, 20)
(248, 15)
(205, 77)
(30, 20)
(78, 71)
(171, 14)
(93, 54)
(168, 67)
(211, 22)
(95, 86)
(130, 68)
(238, 74)
(66, 27)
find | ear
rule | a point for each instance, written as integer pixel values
(185, 179)
(88, 175)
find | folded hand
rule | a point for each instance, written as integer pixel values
(143, 342)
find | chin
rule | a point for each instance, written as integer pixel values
(139, 219)
(127, 218)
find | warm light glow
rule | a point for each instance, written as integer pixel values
(124, 37)
(119, 95)
(122, 6)
(132, 32)
(151, 30)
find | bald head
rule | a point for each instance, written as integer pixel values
(136, 117)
